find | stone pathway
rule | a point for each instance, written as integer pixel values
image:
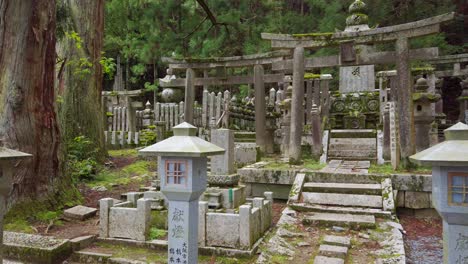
(347, 166)
(333, 250)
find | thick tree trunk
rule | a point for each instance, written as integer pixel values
(80, 85)
(28, 120)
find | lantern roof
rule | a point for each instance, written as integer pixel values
(8, 154)
(184, 143)
(452, 152)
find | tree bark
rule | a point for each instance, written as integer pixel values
(28, 120)
(82, 85)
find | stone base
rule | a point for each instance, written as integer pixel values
(223, 180)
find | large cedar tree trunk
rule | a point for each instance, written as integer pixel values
(28, 119)
(80, 86)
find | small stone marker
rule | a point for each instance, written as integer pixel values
(327, 260)
(80, 212)
(182, 169)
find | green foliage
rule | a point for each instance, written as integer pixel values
(147, 137)
(124, 176)
(108, 66)
(123, 153)
(150, 87)
(156, 233)
(75, 37)
(82, 159)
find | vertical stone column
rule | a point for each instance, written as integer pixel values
(183, 231)
(325, 97)
(260, 108)
(245, 226)
(394, 131)
(316, 126)
(297, 106)
(405, 101)
(143, 219)
(202, 210)
(463, 99)
(205, 108)
(189, 95)
(309, 100)
(386, 132)
(104, 207)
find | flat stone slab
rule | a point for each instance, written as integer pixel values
(350, 220)
(341, 241)
(351, 188)
(34, 248)
(373, 201)
(333, 251)
(80, 212)
(327, 260)
(338, 209)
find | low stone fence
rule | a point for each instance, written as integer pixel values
(238, 229)
(122, 221)
(121, 138)
(235, 230)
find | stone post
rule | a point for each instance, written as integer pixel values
(463, 99)
(202, 210)
(325, 97)
(104, 207)
(394, 131)
(260, 108)
(245, 226)
(316, 126)
(205, 109)
(297, 106)
(286, 122)
(439, 105)
(405, 102)
(143, 219)
(386, 132)
(309, 100)
(189, 95)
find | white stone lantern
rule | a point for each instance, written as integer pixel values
(449, 161)
(183, 174)
(7, 159)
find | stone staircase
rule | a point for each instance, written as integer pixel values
(353, 144)
(353, 205)
(244, 137)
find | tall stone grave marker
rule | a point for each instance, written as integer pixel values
(182, 170)
(222, 166)
(394, 143)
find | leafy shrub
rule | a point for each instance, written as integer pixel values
(82, 162)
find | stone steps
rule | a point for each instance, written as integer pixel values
(350, 188)
(353, 133)
(327, 260)
(351, 153)
(302, 207)
(353, 221)
(369, 142)
(339, 199)
(333, 251)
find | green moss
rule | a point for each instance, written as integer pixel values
(313, 165)
(140, 167)
(422, 70)
(462, 98)
(123, 153)
(325, 35)
(426, 97)
(156, 233)
(279, 259)
(308, 76)
(19, 225)
(387, 169)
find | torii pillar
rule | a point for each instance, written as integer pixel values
(297, 108)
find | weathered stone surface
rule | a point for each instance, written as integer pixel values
(80, 212)
(296, 188)
(223, 230)
(245, 153)
(339, 209)
(357, 79)
(297, 108)
(350, 188)
(343, 199)
(350, 220)
(81, 242)
(387, 195)
(260, 113)
(223, 180)
(223, 164)
(337, 241)
(333, 251)
(417, 200)
(327, 260)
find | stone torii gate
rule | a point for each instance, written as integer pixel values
(358, 32)
(258, 79)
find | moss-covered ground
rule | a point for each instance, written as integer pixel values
(387, 169)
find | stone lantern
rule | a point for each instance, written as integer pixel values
(183, 173)
(7, 159)
(423, 114)
(449, 161)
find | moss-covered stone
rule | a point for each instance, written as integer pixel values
(319, 36)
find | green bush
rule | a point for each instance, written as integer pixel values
(82, 161)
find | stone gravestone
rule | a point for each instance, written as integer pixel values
(394, 142)
(222, 166)
(355, 79)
